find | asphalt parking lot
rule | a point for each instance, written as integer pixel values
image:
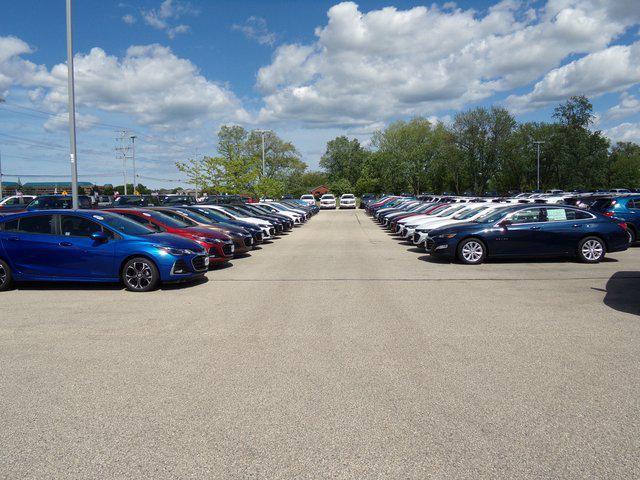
(334, 352)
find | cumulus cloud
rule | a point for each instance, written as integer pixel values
(628, 105)
(255, 28)
(129, 19)
(625, 132)
(162, 18)
(368, 66)
(612, 69)
(149, 83)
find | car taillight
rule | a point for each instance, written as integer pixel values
(608, 214)
(623, 225)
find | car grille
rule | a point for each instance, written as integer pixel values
(198, 263)
(248, 241)
(416, 237)
(227, 249)
(429, 244)
(272, 231)
(259, 237)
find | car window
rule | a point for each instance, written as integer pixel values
(12, 226)
(176, 216)
(75, 226)
(42, 224)
(633, 203)
(13, 201)
(143, 221)
(529, 215)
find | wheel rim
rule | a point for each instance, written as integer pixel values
(592, 250)
(138, 275)
(472, 251)
(3, 275)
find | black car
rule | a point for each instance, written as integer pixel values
(531, 231)
(59, 202)
(137, 201)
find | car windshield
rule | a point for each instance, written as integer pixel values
(210, 214)
(122, 224)
(197, 217)
(307, 197)
(328, 197)
(468, 214)
(167, 220)
(347, 195)
(449, 211)
(493, 216)
(136, 201)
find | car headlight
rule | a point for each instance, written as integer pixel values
(174, 251)
(446, 235)
(208, 239)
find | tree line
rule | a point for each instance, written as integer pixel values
(483, 149)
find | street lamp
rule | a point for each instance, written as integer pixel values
(72, 111)
(262, 132)
(133, 160)
(538, 143)
(1, 101)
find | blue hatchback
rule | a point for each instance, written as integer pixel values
(93, 246)
(626, 207)
(531, 231)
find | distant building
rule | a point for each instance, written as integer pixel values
(50, 188)
(9, 188)
(319, 191)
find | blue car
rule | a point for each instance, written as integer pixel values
(93, 246)
(530, 231)
(625, 207)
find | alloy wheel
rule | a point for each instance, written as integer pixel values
(592, 250)
(3, 275)
(138, 275)
(472, 251)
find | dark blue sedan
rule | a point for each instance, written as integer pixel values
(93, 246)
(527, 231)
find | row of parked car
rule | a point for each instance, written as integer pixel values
(470, 230)
(138, 246)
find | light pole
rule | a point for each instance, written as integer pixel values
(72, 111)
(262, 132)
(1, 101)
(133, 160)
(538, 143)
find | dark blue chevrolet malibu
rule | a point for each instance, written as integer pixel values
(530, 231)
(93, 246)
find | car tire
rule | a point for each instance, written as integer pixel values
(632, 235)
(6, 279)
(591, 250)
(140, 275)
(472, 251)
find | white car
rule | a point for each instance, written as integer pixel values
(328, 201)
(268, 230)
(16, 201)
(273, 207)
(347, 201)
(410, 226)
(308, 199)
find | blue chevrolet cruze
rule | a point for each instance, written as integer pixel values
(530, 231)
(93, 246)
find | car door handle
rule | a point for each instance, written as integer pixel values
(534, 228)
(577, 226)
(66, 244)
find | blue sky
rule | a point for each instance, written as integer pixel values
(171, 72)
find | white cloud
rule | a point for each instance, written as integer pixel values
(625, 132)
(629, 105)
(255, 28)
(161, 18)
(129, 19)
(613, 69)
(150, 83)
(376, 65)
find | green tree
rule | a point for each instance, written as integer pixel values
(282, 160)
(625, 166)
(343, 159)
(269, 188)
(340, 186)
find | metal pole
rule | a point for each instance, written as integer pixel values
(133, 160)
(124, 171)
(1, 101)
(538, 143)
(263, 162)
(72, 111)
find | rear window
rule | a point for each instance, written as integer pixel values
(601, 204)
(41, 224)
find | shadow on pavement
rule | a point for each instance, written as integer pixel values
(622, 292)
(52, 286)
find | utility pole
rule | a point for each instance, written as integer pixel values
(538, 143)
(72, 111)
(122, 149)
(262, 132)
(133, 161)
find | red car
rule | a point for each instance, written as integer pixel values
(219, 245)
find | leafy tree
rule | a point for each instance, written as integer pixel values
(281, 158)
(343, 159)
(576, 112)
(625, 166)
(269, 188)
(340, 186)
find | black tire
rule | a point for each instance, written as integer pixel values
(632, 235)
(140, 275)
(472, 251)
(6, 279)
(591, 250)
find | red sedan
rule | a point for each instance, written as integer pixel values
(219, 245)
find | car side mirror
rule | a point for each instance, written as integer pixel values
(99, 237)
(505, 223)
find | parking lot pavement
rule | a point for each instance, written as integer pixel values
(334, 352)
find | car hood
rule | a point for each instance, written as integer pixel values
(460, 227)
(206, 232)
(171, 240)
